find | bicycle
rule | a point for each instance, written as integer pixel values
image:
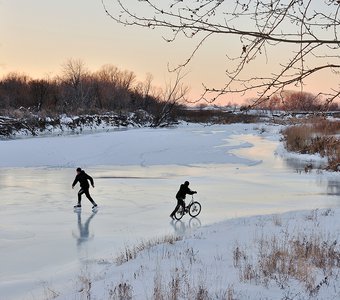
(193, 208)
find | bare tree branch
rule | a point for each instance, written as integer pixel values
(308, 29)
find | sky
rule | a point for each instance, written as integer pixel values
(37, 37)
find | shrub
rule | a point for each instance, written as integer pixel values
(315, 137)
(300, 258)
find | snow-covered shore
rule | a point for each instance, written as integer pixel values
(217, 261)
(294, 255)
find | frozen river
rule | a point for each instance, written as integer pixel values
(44, 244)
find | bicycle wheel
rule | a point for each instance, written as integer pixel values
(195, 209)
(179, 214)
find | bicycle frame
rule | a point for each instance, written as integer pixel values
(193, 208)
(187, 206)
(191, 202)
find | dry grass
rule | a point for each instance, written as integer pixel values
(326, 127)
(279, 260)
(316, 137)
(179, 284)
(216, 117)
(181, 287)
(85, 286)
(131, 252)
(122, 291)
(49, 293)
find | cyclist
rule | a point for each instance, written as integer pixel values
(180, 196)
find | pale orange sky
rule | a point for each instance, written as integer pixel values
(37, 37)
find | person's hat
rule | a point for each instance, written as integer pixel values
(78, 169)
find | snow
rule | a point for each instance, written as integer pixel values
(205, 258)
(145, 146)
(249, 196)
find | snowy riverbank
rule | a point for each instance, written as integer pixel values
(287, 256)
(238, 172)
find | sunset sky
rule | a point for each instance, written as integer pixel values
(37, 37)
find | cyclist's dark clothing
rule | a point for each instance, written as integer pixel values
(183, 191)
(180, 202)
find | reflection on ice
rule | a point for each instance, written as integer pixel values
(84, 228)
(333, 188)
(302, 166)
(182, 227)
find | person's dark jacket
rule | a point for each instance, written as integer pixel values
(83, 178)
(183, 191)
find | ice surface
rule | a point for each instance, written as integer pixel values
(45, 244)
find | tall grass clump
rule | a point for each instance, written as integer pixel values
(180, 286)
(309, 260)
(122, 291)
(318, 136)
(130, 253)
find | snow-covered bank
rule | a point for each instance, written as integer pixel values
(137, 173)
(289, 256)
(34, 125)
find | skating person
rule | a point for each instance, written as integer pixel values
(180, 196)
(83, 179)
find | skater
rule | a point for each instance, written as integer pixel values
(180, 196)
(83, 178)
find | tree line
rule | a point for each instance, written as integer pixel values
(294, 101)
(77, 91)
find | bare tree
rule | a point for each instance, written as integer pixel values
(39, 89)
(307, 32)
(126, 79)
(174, 94)
(107, 85)
(76, 76)
(293, 101)
(14, 91)
(108, 73)
(74, 70)
(146, 88)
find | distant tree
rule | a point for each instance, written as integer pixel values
(116, 87)
(146, 88)
(108, 73)
(39, 91)
(125, 81)
(306, 31)
(148, 93)
(174, 94)
(74, 71)
(106, 86)
(293, 101)
(15, 91)
(75, 78)
(78, 90)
